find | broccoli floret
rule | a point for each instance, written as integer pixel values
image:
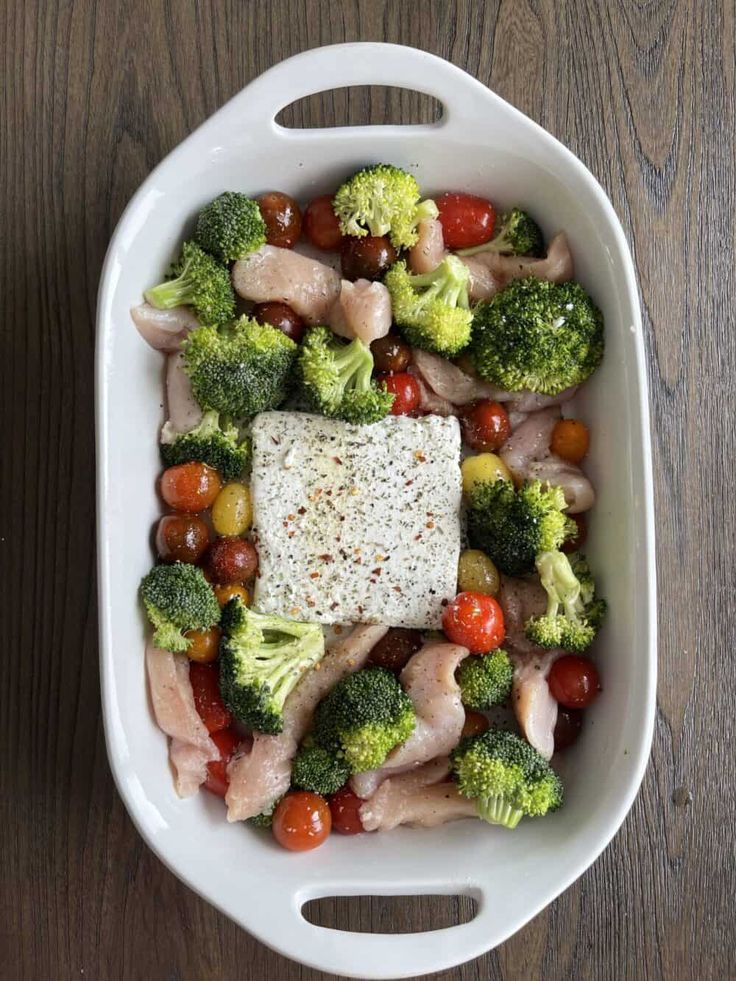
(262, 657)
(507, 777)
(518, 234)
(315, 769)
(231, 226)
(432, 310)
(485, 679)
(363, 718)
(514, 526)
(573, 615)
(199, 281)
(207, 443)
(241, 369)
(178, 598)
(265, 818)
(537, 336)
(382, 200)
(336, 379)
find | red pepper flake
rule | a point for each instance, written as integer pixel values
(290, 517)
(430, 514)
(291, 534)
(334, 606)
(326, 557)
(397, 589)
(408, 483)
(417, 537)
(358, 561)
(337, 460)
(329, 493)
(285, 524)
(301, 511)
(375, 572)
(444, 602)
(430, 524)
(314, 575)
(311, 603)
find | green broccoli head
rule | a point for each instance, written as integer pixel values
(315, 769)
(336, 379)
(199, 281)
(231, 226)
(262, 658)
(432, 310)
(485, 679)
(241, 369)
(537, 336)
(506, 777)
(518, 234)
(178, 598)
(363, 718)
(382, 200)
(265, 818)
(514, 526)
(208, 443)
(574, 614)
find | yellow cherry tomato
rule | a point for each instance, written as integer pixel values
(229, 591)
(232, 512)
(203, 644)
(477, 574)
(481, 468)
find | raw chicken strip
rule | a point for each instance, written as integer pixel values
(534, 401)
(173, 705)
(362, 310)
(534, 706)
(490, 272)
(521, 599)
(273, 274)
(260, 777)
(183, 410)
(417, 798)
(483, 283)
(529, 442)
(429, 251)
(449, 382)
(578, 490)
(164, 330)
(429, 403)
(429, 681)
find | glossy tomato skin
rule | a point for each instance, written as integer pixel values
(302, 821)
(467, 220)
(475, 621)
(485, 426)
(345, 809)
(231, 560)
(181, 538)
(204, 644)
(475, 723)
(405, 390)
(282, 317)
(205, 682)
(227, 741)
(190, 487)
(321, 225)
(567, 729)
(390, 354)
(394, 649)
(282, 217)
(574, 681)
(366, 258)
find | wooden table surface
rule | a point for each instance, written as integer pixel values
(93, 95)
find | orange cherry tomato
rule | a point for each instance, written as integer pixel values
(227, 741)
(190, 487)
(570, 440)
(345, 808)
(475, 621)
(225, 593)
(574, 681)
(321, 226)
(205, 682)
(302, 820)
(467, 220)
(204, 644)
(475, 723)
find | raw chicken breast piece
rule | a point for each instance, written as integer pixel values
(534, 706)
(529, 442)
(490, 272)
(164, 330)
(422, 797)
(451, 383)
(430, 250)
(362, 310)
(183, 409)
(272, 274)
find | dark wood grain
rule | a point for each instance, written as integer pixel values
(92, 96)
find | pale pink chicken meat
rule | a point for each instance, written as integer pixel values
(428, 253)
(362, 310)
(451, 383)
(535, 401)
(164, 330)
(429, 401)
(519, 600)
(534, 707)
(422, 797)
(272, 274)
(429, 681)
(490, 272)
(259, 777)
(578, 490)
(172, 698)
(184, 413)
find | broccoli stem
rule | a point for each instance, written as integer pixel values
(496, 810)
(170, 293)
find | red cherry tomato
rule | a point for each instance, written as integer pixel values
(181, 538)
(227, 741)
(567, 729)
(405, 390)
(475, 621)
(485, 426)
(280, 316)
(574, 681)
(573, 544)
(205, 682)
(301, 821)
(321, 226)
(230, 559)
(467, 220)
(345, 807)
(190, 487)
(282, 218)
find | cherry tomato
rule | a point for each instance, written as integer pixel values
(390, 353)
(475, 723)
(485, 426)
(395, 648)
(366, 258)
(573, 544)
(567, 729)
(570, 440)
(345, 809)
(231, 560)
(406, 392)
(467, 220)
(574, 681)
(321, 225)
(232, 512)
(282, 217)
(475, 621)
(204, 645)
(301, 821)
(225, 593)
(227, 741)
(190, 487)
(476, 573)
(280, 316)
(205, 682)
(181, 538)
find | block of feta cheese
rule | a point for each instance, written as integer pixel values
(356, 524)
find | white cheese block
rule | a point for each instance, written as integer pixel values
(356, 524)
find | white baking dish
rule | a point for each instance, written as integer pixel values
(481, 144)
